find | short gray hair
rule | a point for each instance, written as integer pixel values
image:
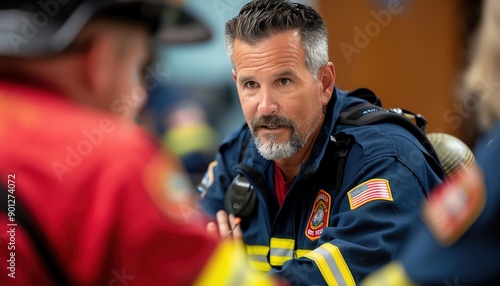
(261, 19)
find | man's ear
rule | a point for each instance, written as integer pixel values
(99, 59)
(327, 79)
(234, 75)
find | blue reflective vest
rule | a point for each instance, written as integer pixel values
(322, 235)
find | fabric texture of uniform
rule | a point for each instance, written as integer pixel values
(110, 204)
(318, 236)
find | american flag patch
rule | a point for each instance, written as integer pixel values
(371, 190)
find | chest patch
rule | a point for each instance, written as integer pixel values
(320, 215)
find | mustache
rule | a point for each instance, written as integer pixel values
(272, 121)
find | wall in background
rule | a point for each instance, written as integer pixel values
(409, 52)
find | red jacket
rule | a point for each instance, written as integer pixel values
(113, 209)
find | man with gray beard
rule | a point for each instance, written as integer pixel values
(276, 175)
(274, 150)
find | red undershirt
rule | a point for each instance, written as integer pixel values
(280, 185)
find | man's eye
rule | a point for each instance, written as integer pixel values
(251, 84)
(284, 81)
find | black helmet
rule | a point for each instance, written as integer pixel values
(44, 27)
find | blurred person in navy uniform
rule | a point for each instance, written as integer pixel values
(87, 196)
(299, 225)
(458, 242)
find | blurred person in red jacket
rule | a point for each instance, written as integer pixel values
(87, 196)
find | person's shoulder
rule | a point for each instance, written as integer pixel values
(107, 135)
(381, 138)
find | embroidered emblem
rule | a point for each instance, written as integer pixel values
(319, 216)
(169, 188)
(371, 190)
(454, 206)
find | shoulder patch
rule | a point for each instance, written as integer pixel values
(454, 206)
(207, 179)
(371, 190)
(320, 215)
(169, 187)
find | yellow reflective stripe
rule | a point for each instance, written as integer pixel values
(331, 264)
(260, 266)
(278, 260)
(393, 274)
(227, 266)
(257, 257)
(302, 252)
(257, 249)
(286, 243)
(281, 250)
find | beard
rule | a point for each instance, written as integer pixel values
(272, 149)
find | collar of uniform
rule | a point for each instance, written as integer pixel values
(334, 107)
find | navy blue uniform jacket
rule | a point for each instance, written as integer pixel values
(321, 235)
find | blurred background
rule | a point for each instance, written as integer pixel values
(410, 53)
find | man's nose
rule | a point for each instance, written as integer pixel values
(267, 102)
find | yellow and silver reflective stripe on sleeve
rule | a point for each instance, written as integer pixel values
(281, 250)
(257, 257)
(331, 264)
(301, 252)
(228, 265)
